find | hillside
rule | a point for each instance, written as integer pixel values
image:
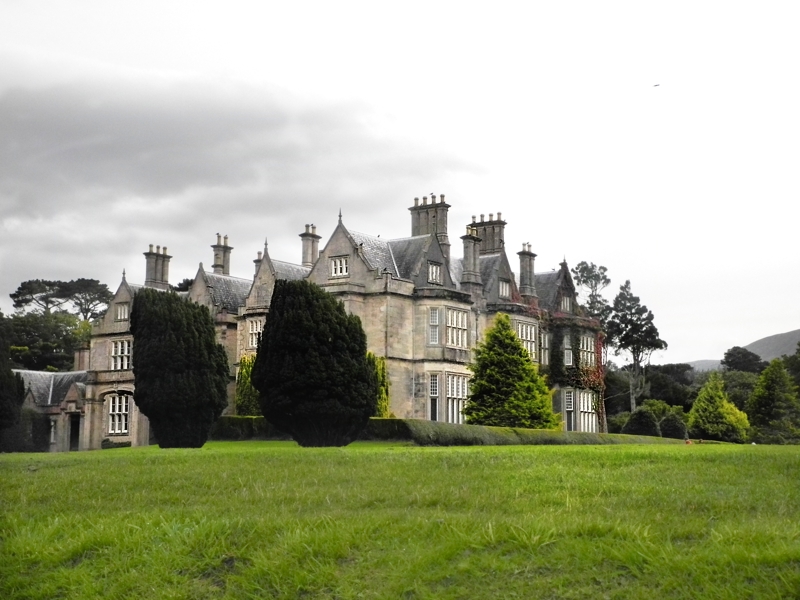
(773, 346)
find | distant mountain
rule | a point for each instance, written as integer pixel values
(773, 346)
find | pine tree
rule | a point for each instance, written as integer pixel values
(774, 408)
(12, 388)
(181, 372)
(246, 394)
(506, 389)
(312, 373)
(714, 417)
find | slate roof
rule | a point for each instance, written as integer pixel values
(408, 252)
(547, 285)
(376, 251)
(456, 271)
(226, 291)
(489, 267)
(50, 388)
(292, 272)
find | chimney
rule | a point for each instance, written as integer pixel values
(150, 267)
(226, 256)
(527, 285)
(492, 233)
(157, 268)
(471, 276)
(310, 241)
(257, 261)
(428, 219)
(218, 265)
(165, 268)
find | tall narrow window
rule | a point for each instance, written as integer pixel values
(567, 351)
(120, 355)
(566, 303)
(588, 355)
(433, 326)
(569, 406)
(122, 312)
(504, 289)
(457, 391)
(434, 394)
(545, 357)
(118, 414)
(434, 273)
(256, 327)
(526, 332)
(457, 321)
(340, 266)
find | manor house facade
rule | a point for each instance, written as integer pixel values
(421, 309)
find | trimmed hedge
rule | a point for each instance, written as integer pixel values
(434, 433)
(108, 444)
(237, 428)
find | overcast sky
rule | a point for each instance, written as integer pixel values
(661, 140)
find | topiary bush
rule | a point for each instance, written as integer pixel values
(672, 426)
(642, 422)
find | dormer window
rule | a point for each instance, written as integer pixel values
(434, 273)
(340, 266)
(505, 289)
(566, 304)
(122, 312)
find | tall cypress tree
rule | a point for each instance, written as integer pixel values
(506, 389)
(181, 372)
(12, 388)
(774, 408)
(311, 370)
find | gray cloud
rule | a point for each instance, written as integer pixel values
(91, 172)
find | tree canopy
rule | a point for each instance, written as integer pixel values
(506, 389)
(593, 280)
(742, 359)
(631, 329)
(312, 373)
(12, 388)
(246, 394)
(714, 417)
(46, 341)
(181, 372)
(774, 408)
(88, 297)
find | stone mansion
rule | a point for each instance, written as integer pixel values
(421, 308)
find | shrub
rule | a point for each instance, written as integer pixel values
(774, 408)
(617, 422)
(672, 426)
(642, 422)
(714, 417)
(246, 394)
(312, 372)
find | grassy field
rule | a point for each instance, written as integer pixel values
(376, 520)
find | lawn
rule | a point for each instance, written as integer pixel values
(377, 520)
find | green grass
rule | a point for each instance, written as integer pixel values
(379, 520)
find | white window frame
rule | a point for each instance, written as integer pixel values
(544, 356)
(457, 328)
(340, 266)
(457, 391)
(122, 311)
(120, 355)
(504, 289)
(433, 391)
(118, 414)
(588, 354)
(526, 332)
(256, 327)
(433, 326)
(568, 362)
(566, 303)
(434, 273)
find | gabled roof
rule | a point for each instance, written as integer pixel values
(226, 291)
(290, 271)
(489, 267)
(456, 271)
(547, 286)
(49, 388)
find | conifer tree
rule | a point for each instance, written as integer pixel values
(506, 389)
(312, 373)
(379, 363)
(181, 372)
(714, 417)
(246, 394)
(12, 388)
(774, 408)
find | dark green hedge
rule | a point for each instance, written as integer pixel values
(108, 444)
(237, 428)
(433, 433)
(30, 434)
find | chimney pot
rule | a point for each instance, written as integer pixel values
(491, 216)
(416, 201)
(424, 200)
(158, 249)
(165, 249)
(499, 216)
(313, 229)
(481, 218)
(441, 198)
(151, 248)
(225, 241)
(474, 218)
(308, 227)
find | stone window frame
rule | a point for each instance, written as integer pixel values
(340, 266)
(544, 350)
(119, 409)
(255, 329)
(434, 322)
(433, 393)
(121, 355)
(122, 311)
(457, 327)
(504, 288)
(587, 350)
(435, 273)
(568, 358)
(526, 333)
(457, 390)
